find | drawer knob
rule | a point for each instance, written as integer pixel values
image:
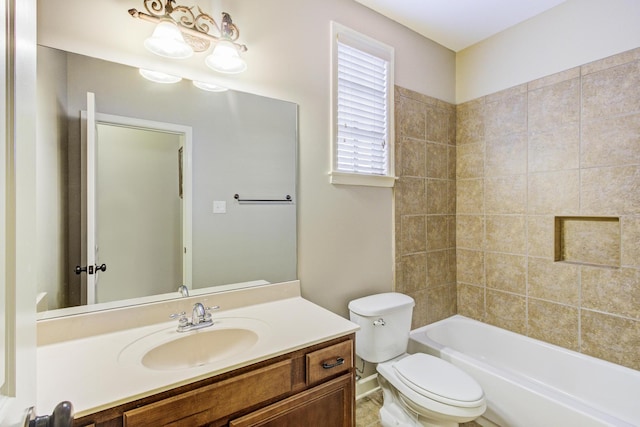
(339, 361)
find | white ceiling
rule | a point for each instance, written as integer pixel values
(457, 24)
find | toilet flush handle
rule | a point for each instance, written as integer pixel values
(379, 322)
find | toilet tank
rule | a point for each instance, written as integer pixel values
(385, 323)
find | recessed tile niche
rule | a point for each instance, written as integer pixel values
(588, 240)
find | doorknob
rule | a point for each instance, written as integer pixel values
(90, 269)
(62, 416)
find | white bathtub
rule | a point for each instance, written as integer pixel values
(531, 383)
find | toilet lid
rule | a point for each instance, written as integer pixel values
(438, 380)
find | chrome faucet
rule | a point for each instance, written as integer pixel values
(184, 291)
(200, 318)
(199, 314)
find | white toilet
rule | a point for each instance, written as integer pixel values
(418, 389)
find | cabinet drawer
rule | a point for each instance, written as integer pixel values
(329, 361)
(217, 400)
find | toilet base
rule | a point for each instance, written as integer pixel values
(396, 414)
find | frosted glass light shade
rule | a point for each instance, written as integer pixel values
(167, 41)
(159, 77)
(211, 87)
(225, 58)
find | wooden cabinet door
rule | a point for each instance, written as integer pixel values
(329, 404)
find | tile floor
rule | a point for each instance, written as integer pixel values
(367, 411)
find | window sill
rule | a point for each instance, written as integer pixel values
(342, 178)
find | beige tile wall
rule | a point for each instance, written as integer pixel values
(564, 145)
(425, 204)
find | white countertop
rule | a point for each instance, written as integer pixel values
(87, 371)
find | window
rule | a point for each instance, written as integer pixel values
(362, 110)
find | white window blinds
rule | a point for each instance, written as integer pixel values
(362, 118)
(362, 109)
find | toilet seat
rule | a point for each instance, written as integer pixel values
(441, 403)
(439, 380)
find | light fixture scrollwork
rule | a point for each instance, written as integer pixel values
(180, 31)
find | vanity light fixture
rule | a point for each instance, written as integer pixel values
(179, 32)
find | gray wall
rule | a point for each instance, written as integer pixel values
(51, 173)
(345, 233)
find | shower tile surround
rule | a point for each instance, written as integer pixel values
(481, 186)
(425, 204)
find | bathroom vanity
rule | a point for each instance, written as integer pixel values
(278, 360)
(278, 391)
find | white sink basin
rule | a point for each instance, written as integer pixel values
(167, 349)
(199, 348)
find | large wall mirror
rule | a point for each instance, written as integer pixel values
(158, 144)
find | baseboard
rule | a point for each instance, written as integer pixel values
(366, 386)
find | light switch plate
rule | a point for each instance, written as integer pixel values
(219, 207)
